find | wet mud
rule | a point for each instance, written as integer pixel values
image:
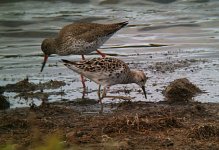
(126, 125)
(181, 90)
(171, 66)
(177, 123)
(129, 125)
(168, 42)
(26, 86)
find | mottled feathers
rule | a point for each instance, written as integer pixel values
(83, 38)
(104, 71)
(89, 31)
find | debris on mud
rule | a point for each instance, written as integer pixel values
(181, 90)
(140, 123)
(38, 95)
(4, 104)
(171, 66)
(29, 90)
(21, 86)
(26, 86)
(205, 132)
(145, 125)
(31, 95)
(52, 84)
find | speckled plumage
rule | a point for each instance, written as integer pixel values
(107, 71)
(80, 38)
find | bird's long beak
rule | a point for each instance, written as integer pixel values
(44, 62)
(145, 94)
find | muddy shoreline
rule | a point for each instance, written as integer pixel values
(126, 125)
(179, 123)
(169, 41)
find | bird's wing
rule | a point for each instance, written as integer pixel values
(100, 31)
(90, 33)
(76, 29)
(99, 70)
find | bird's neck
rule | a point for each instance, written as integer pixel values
(54, 46)
(131, 77)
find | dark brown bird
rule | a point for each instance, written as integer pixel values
(79, 39)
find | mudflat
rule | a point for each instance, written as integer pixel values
(126, 125)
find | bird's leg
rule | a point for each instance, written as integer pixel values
(104, 92)
(98, 92)
(105, 89)
(103, 95)
(102, 54)
(82, 56)
(83, 81)
(84, 86)
(101, 108)
(100, 99)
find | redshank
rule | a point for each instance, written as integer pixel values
(79, 39)
(106, 72)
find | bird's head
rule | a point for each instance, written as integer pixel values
(48, 48)
(140, 79)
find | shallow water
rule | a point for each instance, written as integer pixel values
(188, 28)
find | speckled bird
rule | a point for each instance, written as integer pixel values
(108, 71)
(79, 39)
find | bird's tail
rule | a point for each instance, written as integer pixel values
(116, 27)
(122, 24)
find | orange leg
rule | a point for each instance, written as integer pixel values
(102, 54)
